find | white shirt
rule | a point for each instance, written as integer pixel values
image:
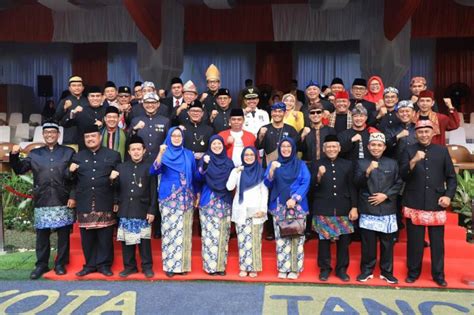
(253, 124)
(238, 147)
(180, 101)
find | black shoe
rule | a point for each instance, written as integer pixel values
(441, 282)
(343, 276)
(106, 271)
(389, 278)
(410, 279)
(221, 273)
(38, 272)
(169, 274)
(60, 270)
(270, 237)
(85, 272)
(148, 273)
(127, 272)
(363, 277)
(324, 275)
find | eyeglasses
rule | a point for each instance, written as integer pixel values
(315, 112)
(124, 95)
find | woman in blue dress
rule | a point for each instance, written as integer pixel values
(177, 167)
(288, 179)
(215, 206)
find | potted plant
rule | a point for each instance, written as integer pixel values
(463, 202)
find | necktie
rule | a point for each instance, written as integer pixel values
(177, 103)
(111, 140)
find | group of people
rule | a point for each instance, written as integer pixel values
(326, 165)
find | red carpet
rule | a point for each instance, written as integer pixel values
(458, 263)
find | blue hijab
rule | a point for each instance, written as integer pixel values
(178, 158)
(252, 175)
(286, 174)
(218, 169)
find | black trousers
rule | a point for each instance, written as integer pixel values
(98, 247)
(269, 228)
(415, 248)
(369, 251)
(43, 246)
(128, 255)
(324, 254)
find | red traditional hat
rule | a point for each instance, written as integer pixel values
(342, 95)
(427, 93)
(423, 123)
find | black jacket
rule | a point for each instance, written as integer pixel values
(349, 149)
(336, 193)
(308, 145)
(50, 185)
(384, 179)
(430, 179)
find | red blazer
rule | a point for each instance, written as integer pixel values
(247, 138)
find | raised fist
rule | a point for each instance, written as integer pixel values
(306, 131)
(16, 149)
(139, 125)
(356, 138)
(214, 114)
(73, 167)
(113, 175)
(78, 109)
(321, 170)
(402, 134)
(239, 168)
(67, 104)
(163, 148)
(420, 155)
(230, 140)
(206, 159)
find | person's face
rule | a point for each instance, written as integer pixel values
(312, 92)
(189, 97)
(50, 136)
(136, 151)
(124, 98)
(251, 103)
(331, 149)
(147, 89)
(390, 99)
(424, 135)
(249, 156)
(358, 91)
(176, 138)
(177, 90)
(374, 86)
(217, 147)
(111, 120)
(236, 123)
(289, 102)
(337, 88)
(342, 105)
(223, 101)
(359, 120)
(110, 93)
(286, 149)
(195, 114)
(92, 140)
(277, 115)
(376, 148)
(151, 107)
(95, 99)
(76, 88)
(425, 103)
(405, 114)
(138, 92)
(315, 115)
(213, 85)
(417, 87)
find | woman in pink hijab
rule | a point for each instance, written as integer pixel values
(375, 90)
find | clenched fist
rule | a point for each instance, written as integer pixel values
(78, 109)
(16, 149)
(420, 155)
(113, 175)
(321, 170)
(402, 134)
(67, 104)
(206, 159)
(356, 138)
(139, 125)
(230, 140)
(73, 167)
(163, 148)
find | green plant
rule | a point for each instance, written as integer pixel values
(18, 211)
(462, 201)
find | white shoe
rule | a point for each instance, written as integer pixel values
(243, 274)
(252, 274)
(293, 275)
(282, 275)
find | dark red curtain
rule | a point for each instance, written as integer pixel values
(147, 17)
(455, 63)
(274, 64)
(442, 18)
(26, 23)
(90, 62)
(396, 14)
(245, 23)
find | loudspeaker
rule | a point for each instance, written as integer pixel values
(45, 85)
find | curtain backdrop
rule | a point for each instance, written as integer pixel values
(26, 23)
(236, 62)
(122, 63)
(90, 62)
(274, 64)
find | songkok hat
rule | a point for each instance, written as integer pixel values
(342, 95)
(91, 128)
(423, 123)
(135, 139)
(337, 81)
(94, 89)
(49, 125)
(390, 89)
(236, 112)
(223, 92)
(148, 84)
(426, 93)
(75, 78)
(109, 84)
(359, 109)
(124, 90)
(360, 81)
(196, 104)
(377, 136)
(251, 92)
(312, 83)
(279, 105)
(190, 87)
(213, 73)
(151, 97)
(111, 109)
(137, 83)
(418, 79)
(331, 138)
(405, 103)
(176, 81)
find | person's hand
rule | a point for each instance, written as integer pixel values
(353, 215)
(247, 109)
(379, 104)
(306, 131)
(295, 115)
(206, 159)
(78, 109)
(262, 132)
(126, 108)
(183, 106)
(444, 201)
(414, 99)
(321, 171)
(259, 214)
(382, 111)
(448, 103)
(67, 104)
(163, 148)
(402, 134)
(150, 218)
(113, 175)
(229, 140)
(71, 203)
(16, 149)
(139, 125)
(214, 114)
(372, 166)
(203, 96)
(377, 199)
(239, 168)
(290, 203)
(115, 208)
(420, 155)
(275, 165)
(98, 123)
(73, 167)
(356, 138)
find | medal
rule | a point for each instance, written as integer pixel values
(202, 142)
